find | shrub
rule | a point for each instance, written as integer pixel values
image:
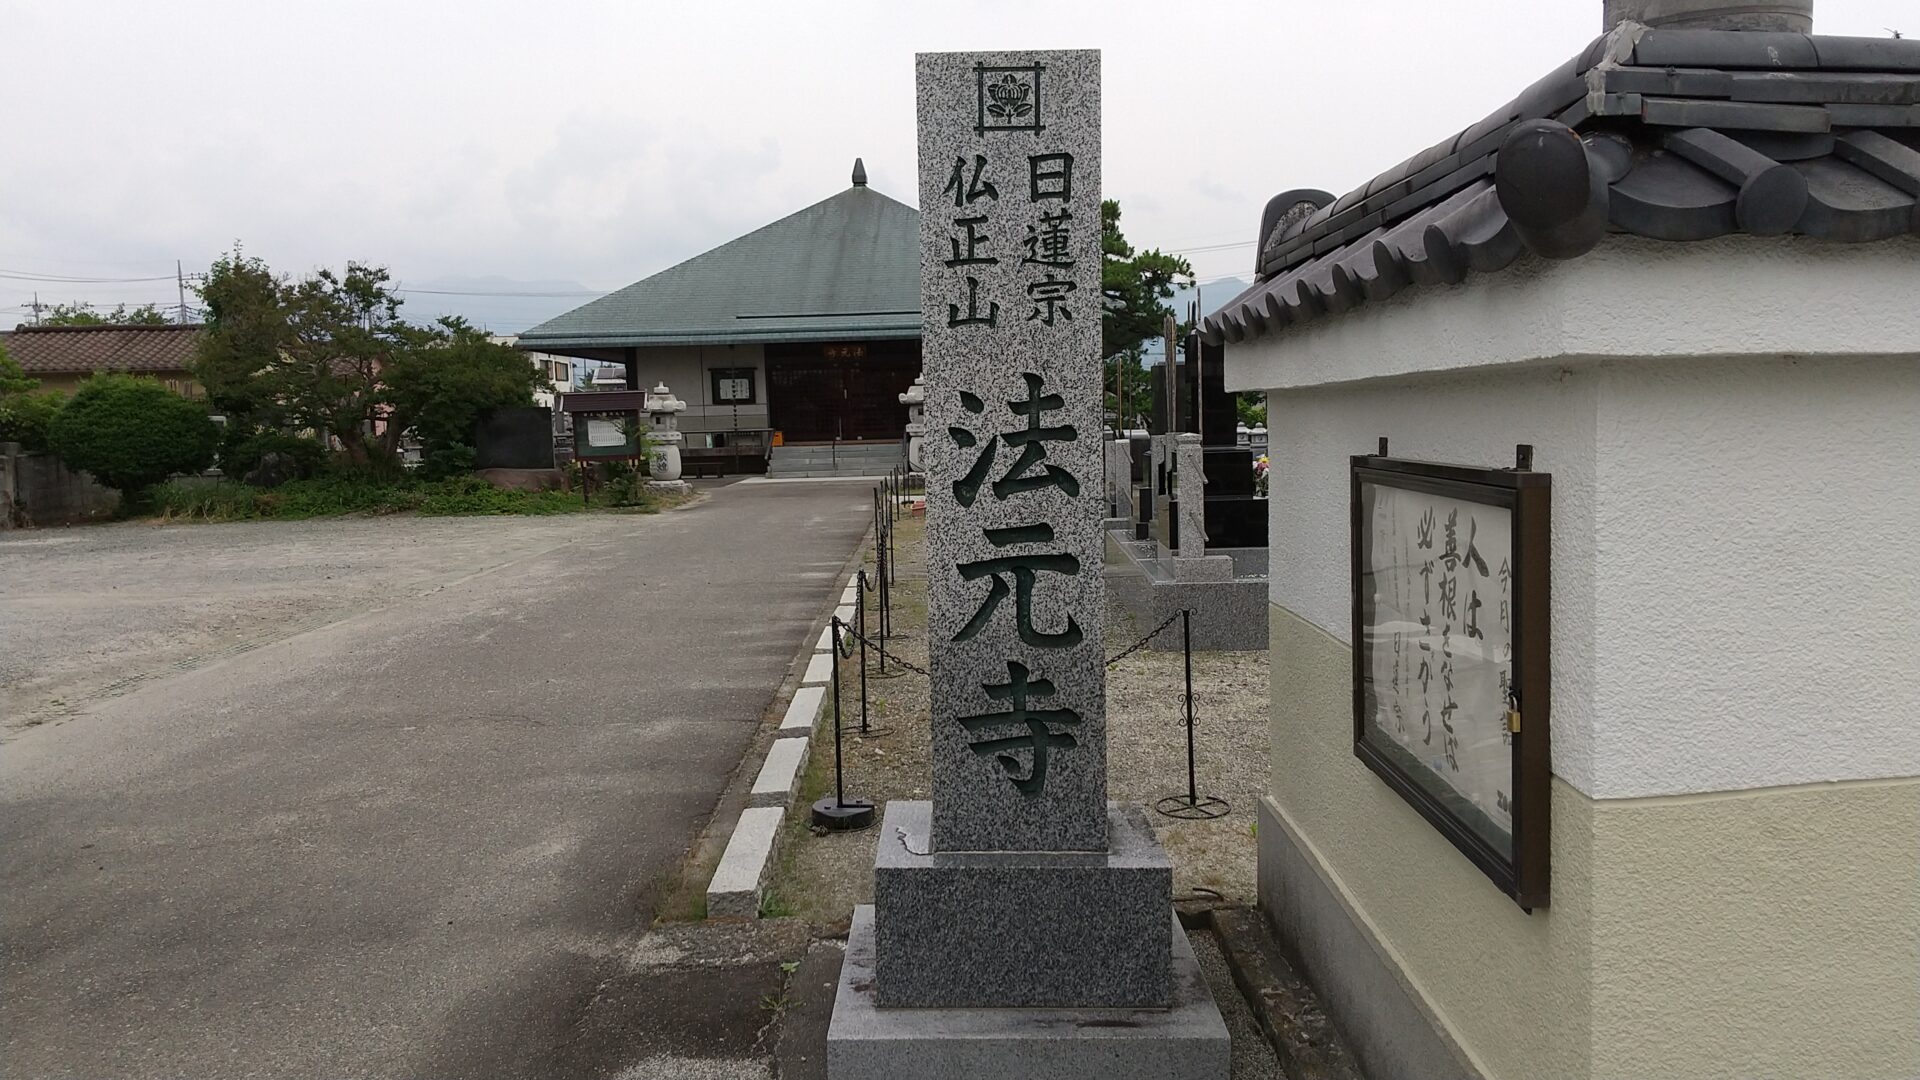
(305, 457)
(448, 460)
(472, 495)
(27, 418)
(132, 433)
(25, 415)
(332, 496)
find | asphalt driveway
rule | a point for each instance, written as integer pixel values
(412, 841)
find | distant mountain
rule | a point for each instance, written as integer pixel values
(499, 304)
(1213, 296)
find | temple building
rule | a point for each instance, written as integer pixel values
(802, 333)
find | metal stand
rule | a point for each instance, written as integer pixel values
(836, 812)
(1191, 807)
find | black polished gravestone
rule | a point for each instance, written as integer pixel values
(1236, 517)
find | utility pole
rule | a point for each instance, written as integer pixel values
(180, 281)
(36, 307)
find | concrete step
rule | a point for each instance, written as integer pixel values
(891, 453)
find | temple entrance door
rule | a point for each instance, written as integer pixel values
(826, 392)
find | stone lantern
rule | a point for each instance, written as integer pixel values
(664, 438)
(915, 399)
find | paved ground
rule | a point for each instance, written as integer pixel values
(418, 840)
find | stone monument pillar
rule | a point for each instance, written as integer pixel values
(1119, 485)
(1190, 497)
(663, 441)
(1022, 925)
(915, 399)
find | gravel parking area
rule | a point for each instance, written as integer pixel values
(823, 877)
(91, 612)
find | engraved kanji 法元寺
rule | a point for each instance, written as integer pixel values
(1028, 552)
(1039, 736)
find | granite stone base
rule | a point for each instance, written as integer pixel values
(1227, 615)
(1187, 1040)
(668, 487)
(1021, 929)
(1203, 568)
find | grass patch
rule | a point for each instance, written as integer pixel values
(335, 496)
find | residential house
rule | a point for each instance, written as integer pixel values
(61, 356)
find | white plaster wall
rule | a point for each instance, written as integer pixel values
(1758, 573)
(1736, 534)
(1630, 297)
(1471, 419)
(1736, 553)
(684, 368)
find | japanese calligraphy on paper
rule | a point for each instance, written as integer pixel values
(1438, 573)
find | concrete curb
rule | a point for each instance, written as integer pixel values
(741, 876)
(779, 779)
(740, 881)
(1283, 1004)
(819, 670)
(803, 711)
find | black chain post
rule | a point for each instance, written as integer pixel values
(1190, 806)
(886, 597)
(836, 812)
(839, 781)
(860, 620)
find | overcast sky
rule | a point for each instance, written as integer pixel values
(560, 144)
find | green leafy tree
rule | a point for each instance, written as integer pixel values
(1252, 408)
(26, 412)
(309, 354)
(132, 433)
(1136, 286)
(83, 314)
(236, 354)
(345, 330)
(450, 380)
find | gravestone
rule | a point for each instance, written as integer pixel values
(1021, 922)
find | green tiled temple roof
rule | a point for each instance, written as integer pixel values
(844, 268)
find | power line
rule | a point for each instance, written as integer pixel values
(67, 279)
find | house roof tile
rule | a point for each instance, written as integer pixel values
(83, 350)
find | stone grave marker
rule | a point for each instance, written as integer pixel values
(1021, 923)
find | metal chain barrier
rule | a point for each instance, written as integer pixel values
(1142, 643)
(855, 636)
(845, 639)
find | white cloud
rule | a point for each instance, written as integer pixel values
(599, 142)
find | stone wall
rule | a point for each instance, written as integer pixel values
(35, 489)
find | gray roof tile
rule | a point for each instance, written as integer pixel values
(1681, 135)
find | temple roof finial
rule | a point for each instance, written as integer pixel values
(859, 173)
